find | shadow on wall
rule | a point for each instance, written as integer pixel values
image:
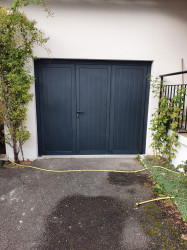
(80, 222)
(174, 9)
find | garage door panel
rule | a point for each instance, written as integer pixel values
(126, 118)
(93, 94)
(57, 122)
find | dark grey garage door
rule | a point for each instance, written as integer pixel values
(91, 107)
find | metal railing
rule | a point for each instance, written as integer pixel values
(170, 91)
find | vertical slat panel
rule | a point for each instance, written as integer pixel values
(127, 109)
(93, 83)
(57, 125)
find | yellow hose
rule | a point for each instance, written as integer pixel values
(166, 169)
(157, 199)
(99, 170)
(88, 170)
(77, 170)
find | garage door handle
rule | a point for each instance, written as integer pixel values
(79, 112)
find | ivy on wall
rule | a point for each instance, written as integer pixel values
(166, 118)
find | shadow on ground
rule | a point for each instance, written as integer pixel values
(80, 222)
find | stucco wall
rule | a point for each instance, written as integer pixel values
(142, 30)
(181, 155)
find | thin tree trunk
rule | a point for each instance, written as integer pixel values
(16, 159)
(20, 144)
(21, 149)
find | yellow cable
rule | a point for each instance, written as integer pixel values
(88, 170)
(166, 169)
(157, 199)
(163, 198)
(99, 170)
(77, 170)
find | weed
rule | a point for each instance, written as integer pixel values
(138, 158)
(183, 166)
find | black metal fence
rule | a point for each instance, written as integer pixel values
(170, 91)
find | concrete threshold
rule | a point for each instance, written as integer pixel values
(87, 156)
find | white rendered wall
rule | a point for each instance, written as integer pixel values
(181, 156)
(151, 30)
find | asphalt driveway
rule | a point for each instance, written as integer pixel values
(81, 211)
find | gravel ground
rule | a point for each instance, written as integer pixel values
(87, 210)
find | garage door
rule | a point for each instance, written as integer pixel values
(91, 107)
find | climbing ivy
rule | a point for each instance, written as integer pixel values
(166, 118)
(18, 34)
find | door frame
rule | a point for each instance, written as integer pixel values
(95, 62)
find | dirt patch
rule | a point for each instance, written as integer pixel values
(174, 216)
(7, 164)
(79, 222)
(162, 231)
(131, 191)
(125, 179)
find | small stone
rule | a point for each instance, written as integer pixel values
(184, 236)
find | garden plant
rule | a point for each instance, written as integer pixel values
(18, 35)
(164, 124)
(164, 127)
